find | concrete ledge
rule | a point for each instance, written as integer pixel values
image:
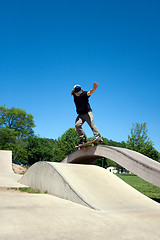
(137, 163)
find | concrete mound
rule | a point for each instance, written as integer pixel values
(88, 185)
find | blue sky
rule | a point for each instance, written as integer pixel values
(46, 47)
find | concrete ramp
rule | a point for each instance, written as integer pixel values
(6, 161)
(137, 163)
(87, 185)
(8, 179)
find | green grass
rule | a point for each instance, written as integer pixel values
(28, 190)
(141, 185)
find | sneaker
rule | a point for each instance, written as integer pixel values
(98, 138)
(82, 141)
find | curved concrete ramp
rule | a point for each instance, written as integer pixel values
(137, 163)
(8, 178)
(6, 161)
(88, 185)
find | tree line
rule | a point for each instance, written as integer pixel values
(17, 135)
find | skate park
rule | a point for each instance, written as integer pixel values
(83, 201)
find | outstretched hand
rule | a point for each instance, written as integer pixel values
(95, 85)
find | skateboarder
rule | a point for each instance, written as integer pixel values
(84, 111)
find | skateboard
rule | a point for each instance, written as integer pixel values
(87, 144)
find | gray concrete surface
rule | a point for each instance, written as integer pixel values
(137, 163)
(45, 217)
(88, 185)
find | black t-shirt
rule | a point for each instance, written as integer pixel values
(82, 103)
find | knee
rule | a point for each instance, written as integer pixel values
(78, 125)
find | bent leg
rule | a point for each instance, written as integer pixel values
(89, 120)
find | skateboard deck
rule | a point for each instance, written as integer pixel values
(87, 144)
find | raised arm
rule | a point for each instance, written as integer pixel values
(95, 85)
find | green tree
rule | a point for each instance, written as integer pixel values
(65, 145)
(40, 149)
(18, 120)
(15, 127)
(6, 136)
(139, 141)
(9, 141)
